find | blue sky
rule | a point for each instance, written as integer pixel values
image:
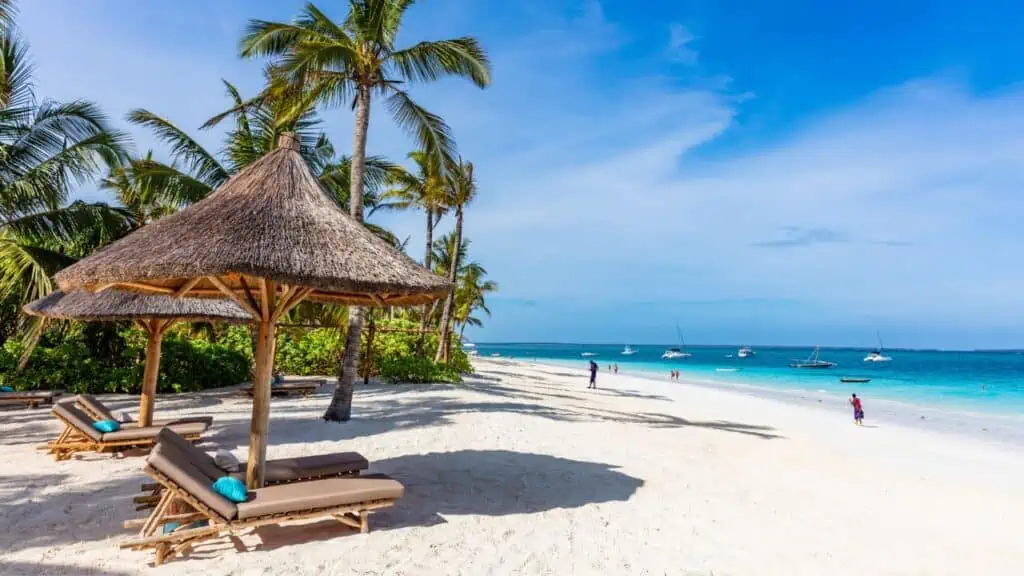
(789, 172)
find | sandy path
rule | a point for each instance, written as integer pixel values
(526, 472)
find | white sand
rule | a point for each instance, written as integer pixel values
(525, 471)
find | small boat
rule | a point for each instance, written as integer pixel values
(627, 351)
(726, 369)
(877, 355)
(468, 345)
(854, 380)
(676, 352)
(812, 361)
(588, 354)
(496, 355)
(745, 352)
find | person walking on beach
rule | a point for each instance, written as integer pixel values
(858, 410)
(615, 369)
(593, 375)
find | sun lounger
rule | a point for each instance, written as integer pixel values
(32, 399)
(80, 436)
(278, 471)
(289, 388)
(198, 513)
(99, 411)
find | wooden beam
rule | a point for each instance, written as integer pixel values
(143, 287)
(186, 287)
(376, 298)
(101, 287)
(296, 299)
(243, 302)
(265, 341)
(249, 296)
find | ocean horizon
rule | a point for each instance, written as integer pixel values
(969, 381)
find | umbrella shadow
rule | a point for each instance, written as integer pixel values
(441, 486)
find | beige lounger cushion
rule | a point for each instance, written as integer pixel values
(277, 471)
(142, 433)
(314, 494)
(80, 420)
(280, 470)
(100, 408)
(200, 459)
(172, 463)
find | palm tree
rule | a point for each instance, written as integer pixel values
(471, 296)
(45, 149)
(423, 189)
(349, 63)
(461, 192)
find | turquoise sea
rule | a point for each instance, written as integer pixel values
(968, 381)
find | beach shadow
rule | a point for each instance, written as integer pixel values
(42, 568)
(47, 510)
(496, 483)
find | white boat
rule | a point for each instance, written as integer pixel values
(745, 352)
(468, 345)
(877, 355)
(588, 354)
(812, 361)
(627, 351)
(676, 352)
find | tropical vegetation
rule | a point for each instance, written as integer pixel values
(48, 149)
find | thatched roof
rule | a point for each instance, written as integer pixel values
(116, 305)
(273, 221)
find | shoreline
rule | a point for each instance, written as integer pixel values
(999, 429)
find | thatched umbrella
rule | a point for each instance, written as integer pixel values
(268, 238)
(155, 314)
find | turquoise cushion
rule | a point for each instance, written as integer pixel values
(107, 425)
(6, 389)
(231, 488)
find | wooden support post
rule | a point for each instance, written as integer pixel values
(265, 341)
(152, 372)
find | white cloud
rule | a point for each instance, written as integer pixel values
(679, 44)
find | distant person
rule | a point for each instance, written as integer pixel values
(615, 369)
(858, 410)
(593, 375)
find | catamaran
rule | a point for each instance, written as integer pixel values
(877, 354)
(676, 352)
(627, 351)
(812, 361)
(745, 352)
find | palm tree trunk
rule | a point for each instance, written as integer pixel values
(340, 409)
(444, 343)
(427, 258)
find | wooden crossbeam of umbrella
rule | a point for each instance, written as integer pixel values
(154, 314)
(268, 239)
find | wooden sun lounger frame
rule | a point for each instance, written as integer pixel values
(31, 402)
(72, 441)
(292, 390)
(181, 539)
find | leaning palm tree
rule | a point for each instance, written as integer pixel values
(461, 192)
(351, 62)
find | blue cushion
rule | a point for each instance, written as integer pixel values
(6, 389)
(231, 488)
(107, 425)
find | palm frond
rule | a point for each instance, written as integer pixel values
(64, 224)
(160, 183)
(430, 130)
(430, 61)
(202, 164)
(16, 75)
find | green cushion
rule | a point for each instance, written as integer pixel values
(107, 426)
(231, 488)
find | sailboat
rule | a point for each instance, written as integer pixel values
(812, 361)
(627, 351)
(745, 352)
(877, 354)
(676, 352)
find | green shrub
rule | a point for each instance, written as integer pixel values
(416, 370)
